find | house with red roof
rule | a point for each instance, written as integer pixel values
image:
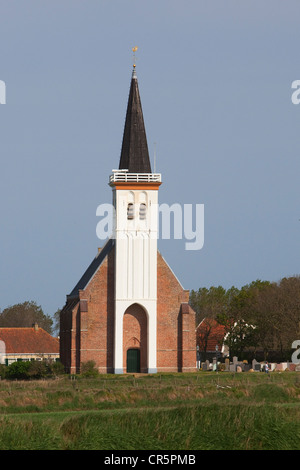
(209, 334)
(27, 344)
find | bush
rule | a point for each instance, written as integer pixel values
(25, 370)
(57, 368)
(18, 370)
(38, 370)
(3, 369)
(88, 369)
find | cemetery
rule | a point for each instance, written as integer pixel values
(243, 366)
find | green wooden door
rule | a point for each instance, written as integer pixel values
(133, 360)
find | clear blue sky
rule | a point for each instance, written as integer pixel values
(215, 82)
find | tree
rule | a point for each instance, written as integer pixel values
(208, 333)
(263, 316)
(56, 326)
(290, 293)
(239, 337)
(239, 320)
(277, 316)
(25, 315)
(209, 303)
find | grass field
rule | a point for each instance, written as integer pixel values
(197, 411)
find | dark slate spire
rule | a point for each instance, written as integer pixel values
(134, 153)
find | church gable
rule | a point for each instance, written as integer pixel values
(97, 319)
(87, 318)
(92, 269)
(169, 288)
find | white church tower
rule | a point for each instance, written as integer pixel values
(135, 198)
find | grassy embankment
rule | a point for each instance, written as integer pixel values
(160, 412)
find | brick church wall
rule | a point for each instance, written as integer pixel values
(68, 333)
(87, 324)
(86, 331)
(97, 322)
(176, 339)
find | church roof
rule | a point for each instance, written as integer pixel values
(134, 153)
(92, 269)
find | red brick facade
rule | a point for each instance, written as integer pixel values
(87, 324)
(87, 321)
(176, 339)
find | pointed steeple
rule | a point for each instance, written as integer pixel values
(134, 153)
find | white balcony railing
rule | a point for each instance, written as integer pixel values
(125, 177)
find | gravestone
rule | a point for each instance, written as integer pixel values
(239, 369)
(256, 365)
(227, 364)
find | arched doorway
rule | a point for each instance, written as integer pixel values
(133, 362)
(135, 339)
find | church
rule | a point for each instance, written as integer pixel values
(128, 312)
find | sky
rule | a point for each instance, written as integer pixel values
(215, 83)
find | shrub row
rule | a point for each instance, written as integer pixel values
(26, 370)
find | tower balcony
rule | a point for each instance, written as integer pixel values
(123, 176)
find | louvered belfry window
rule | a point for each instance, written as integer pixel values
(143, 211)
(130, 211)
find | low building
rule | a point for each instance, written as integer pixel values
(27, 344)
(209, 335)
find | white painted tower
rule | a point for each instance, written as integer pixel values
(135, 198)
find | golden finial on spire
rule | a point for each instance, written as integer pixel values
(134, 49)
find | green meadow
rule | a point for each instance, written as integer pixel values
(201, 411)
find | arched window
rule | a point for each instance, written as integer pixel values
(143, 211)
(130, 211)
